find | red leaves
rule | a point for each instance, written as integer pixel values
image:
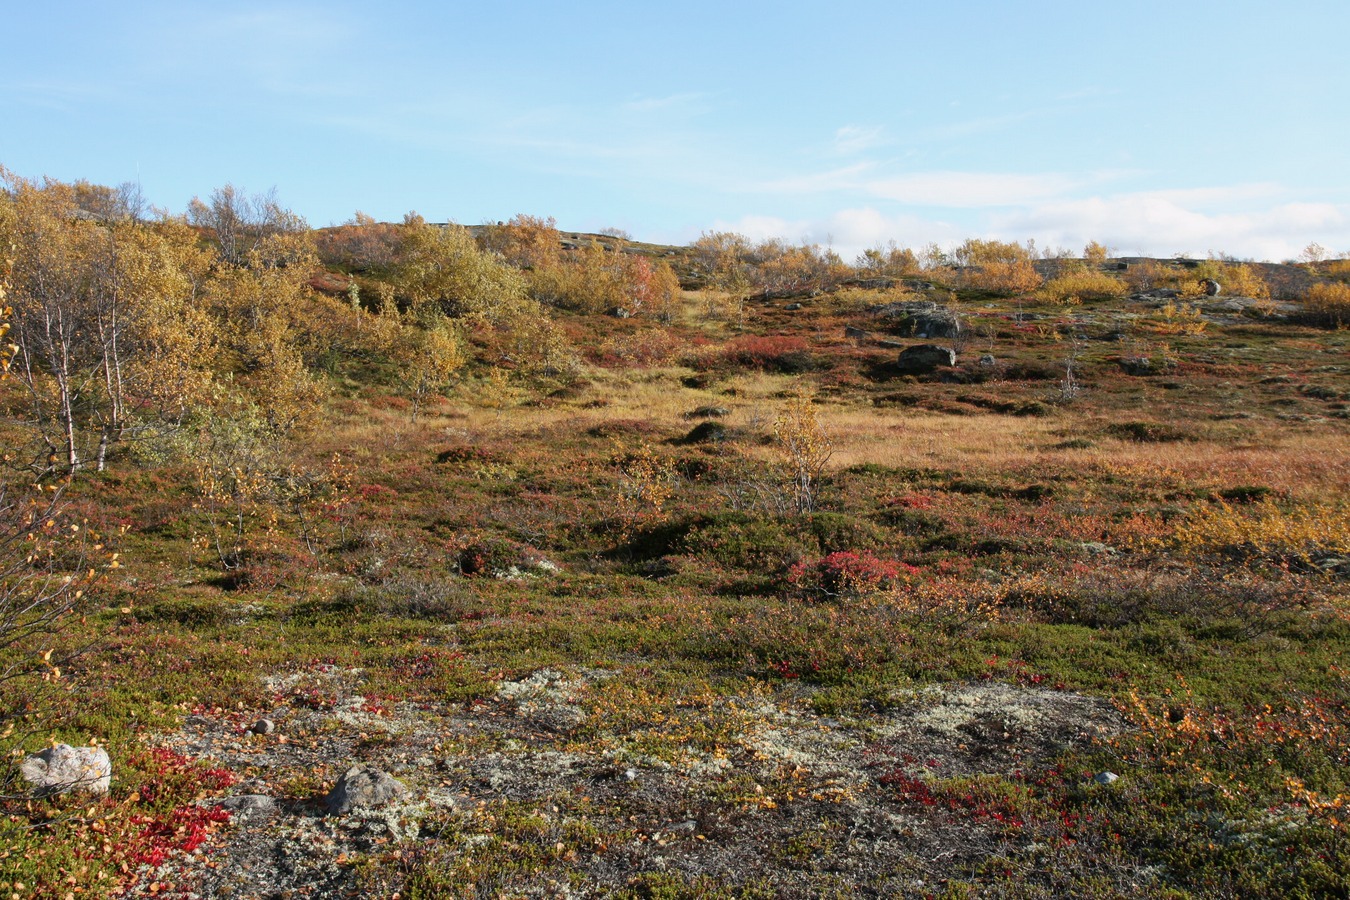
(848, 574)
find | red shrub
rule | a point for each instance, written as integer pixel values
(772, 352)
(847, 573)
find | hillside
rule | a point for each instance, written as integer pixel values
(759, 575)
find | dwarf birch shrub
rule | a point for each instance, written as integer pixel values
(1329, 304)
(1267, 531)
(1083, 284)
(806, 449)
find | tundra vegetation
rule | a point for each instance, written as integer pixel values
(667, 533)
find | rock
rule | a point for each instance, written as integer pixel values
(363, 787)
(856, 334)
(263, 726)
(792, 307)
(893, 345)
(1211, 287)
(1136, 365)
(708, 412)
(706, 433)
(63, 769)
(1155, 294)
(248, 806)
(620, 312)
(1105, 777)
(987, 361)
(1335, 566)
(922, 318)
(926, 358)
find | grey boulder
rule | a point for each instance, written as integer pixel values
(926, 358)
(62, 769)
(363, 787)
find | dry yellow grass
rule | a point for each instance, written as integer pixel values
(1303, 463)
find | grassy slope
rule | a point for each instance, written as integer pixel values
(1076, 543)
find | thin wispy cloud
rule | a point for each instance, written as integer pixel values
(286, 49)
(972, 189)
(65, 94)
(853, 139)
(686, 102)
(845, 178)
(967, 128)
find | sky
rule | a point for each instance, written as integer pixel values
(1156, 128)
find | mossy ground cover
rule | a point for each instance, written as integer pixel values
(1172, 545)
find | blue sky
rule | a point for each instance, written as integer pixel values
(1155, 128)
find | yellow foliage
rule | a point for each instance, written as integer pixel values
(426, 358)
(1081, 284)
(1242, 280)
(1095, 253)
(1330, 303)
(1176, 318)
(1004, 277)
(1267, 531)
(646, 485)
(806, 448)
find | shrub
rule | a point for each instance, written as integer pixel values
(997, 267)
(1241, 280)
(1148, 432)
(1328, 304)
(1083, 284)
(497, 557)
(1263, 530)
(846, 574)
(742, 541)
(770, 353)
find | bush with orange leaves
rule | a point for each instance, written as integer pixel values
(998, 267)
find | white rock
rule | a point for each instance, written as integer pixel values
(63, 768)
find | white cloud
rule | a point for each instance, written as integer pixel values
(1162, 223)
(972, 189)
(1150, 223)
(848, 231)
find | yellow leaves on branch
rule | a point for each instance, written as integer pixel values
(647, 484)
(806, 449)
(1174, 318)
